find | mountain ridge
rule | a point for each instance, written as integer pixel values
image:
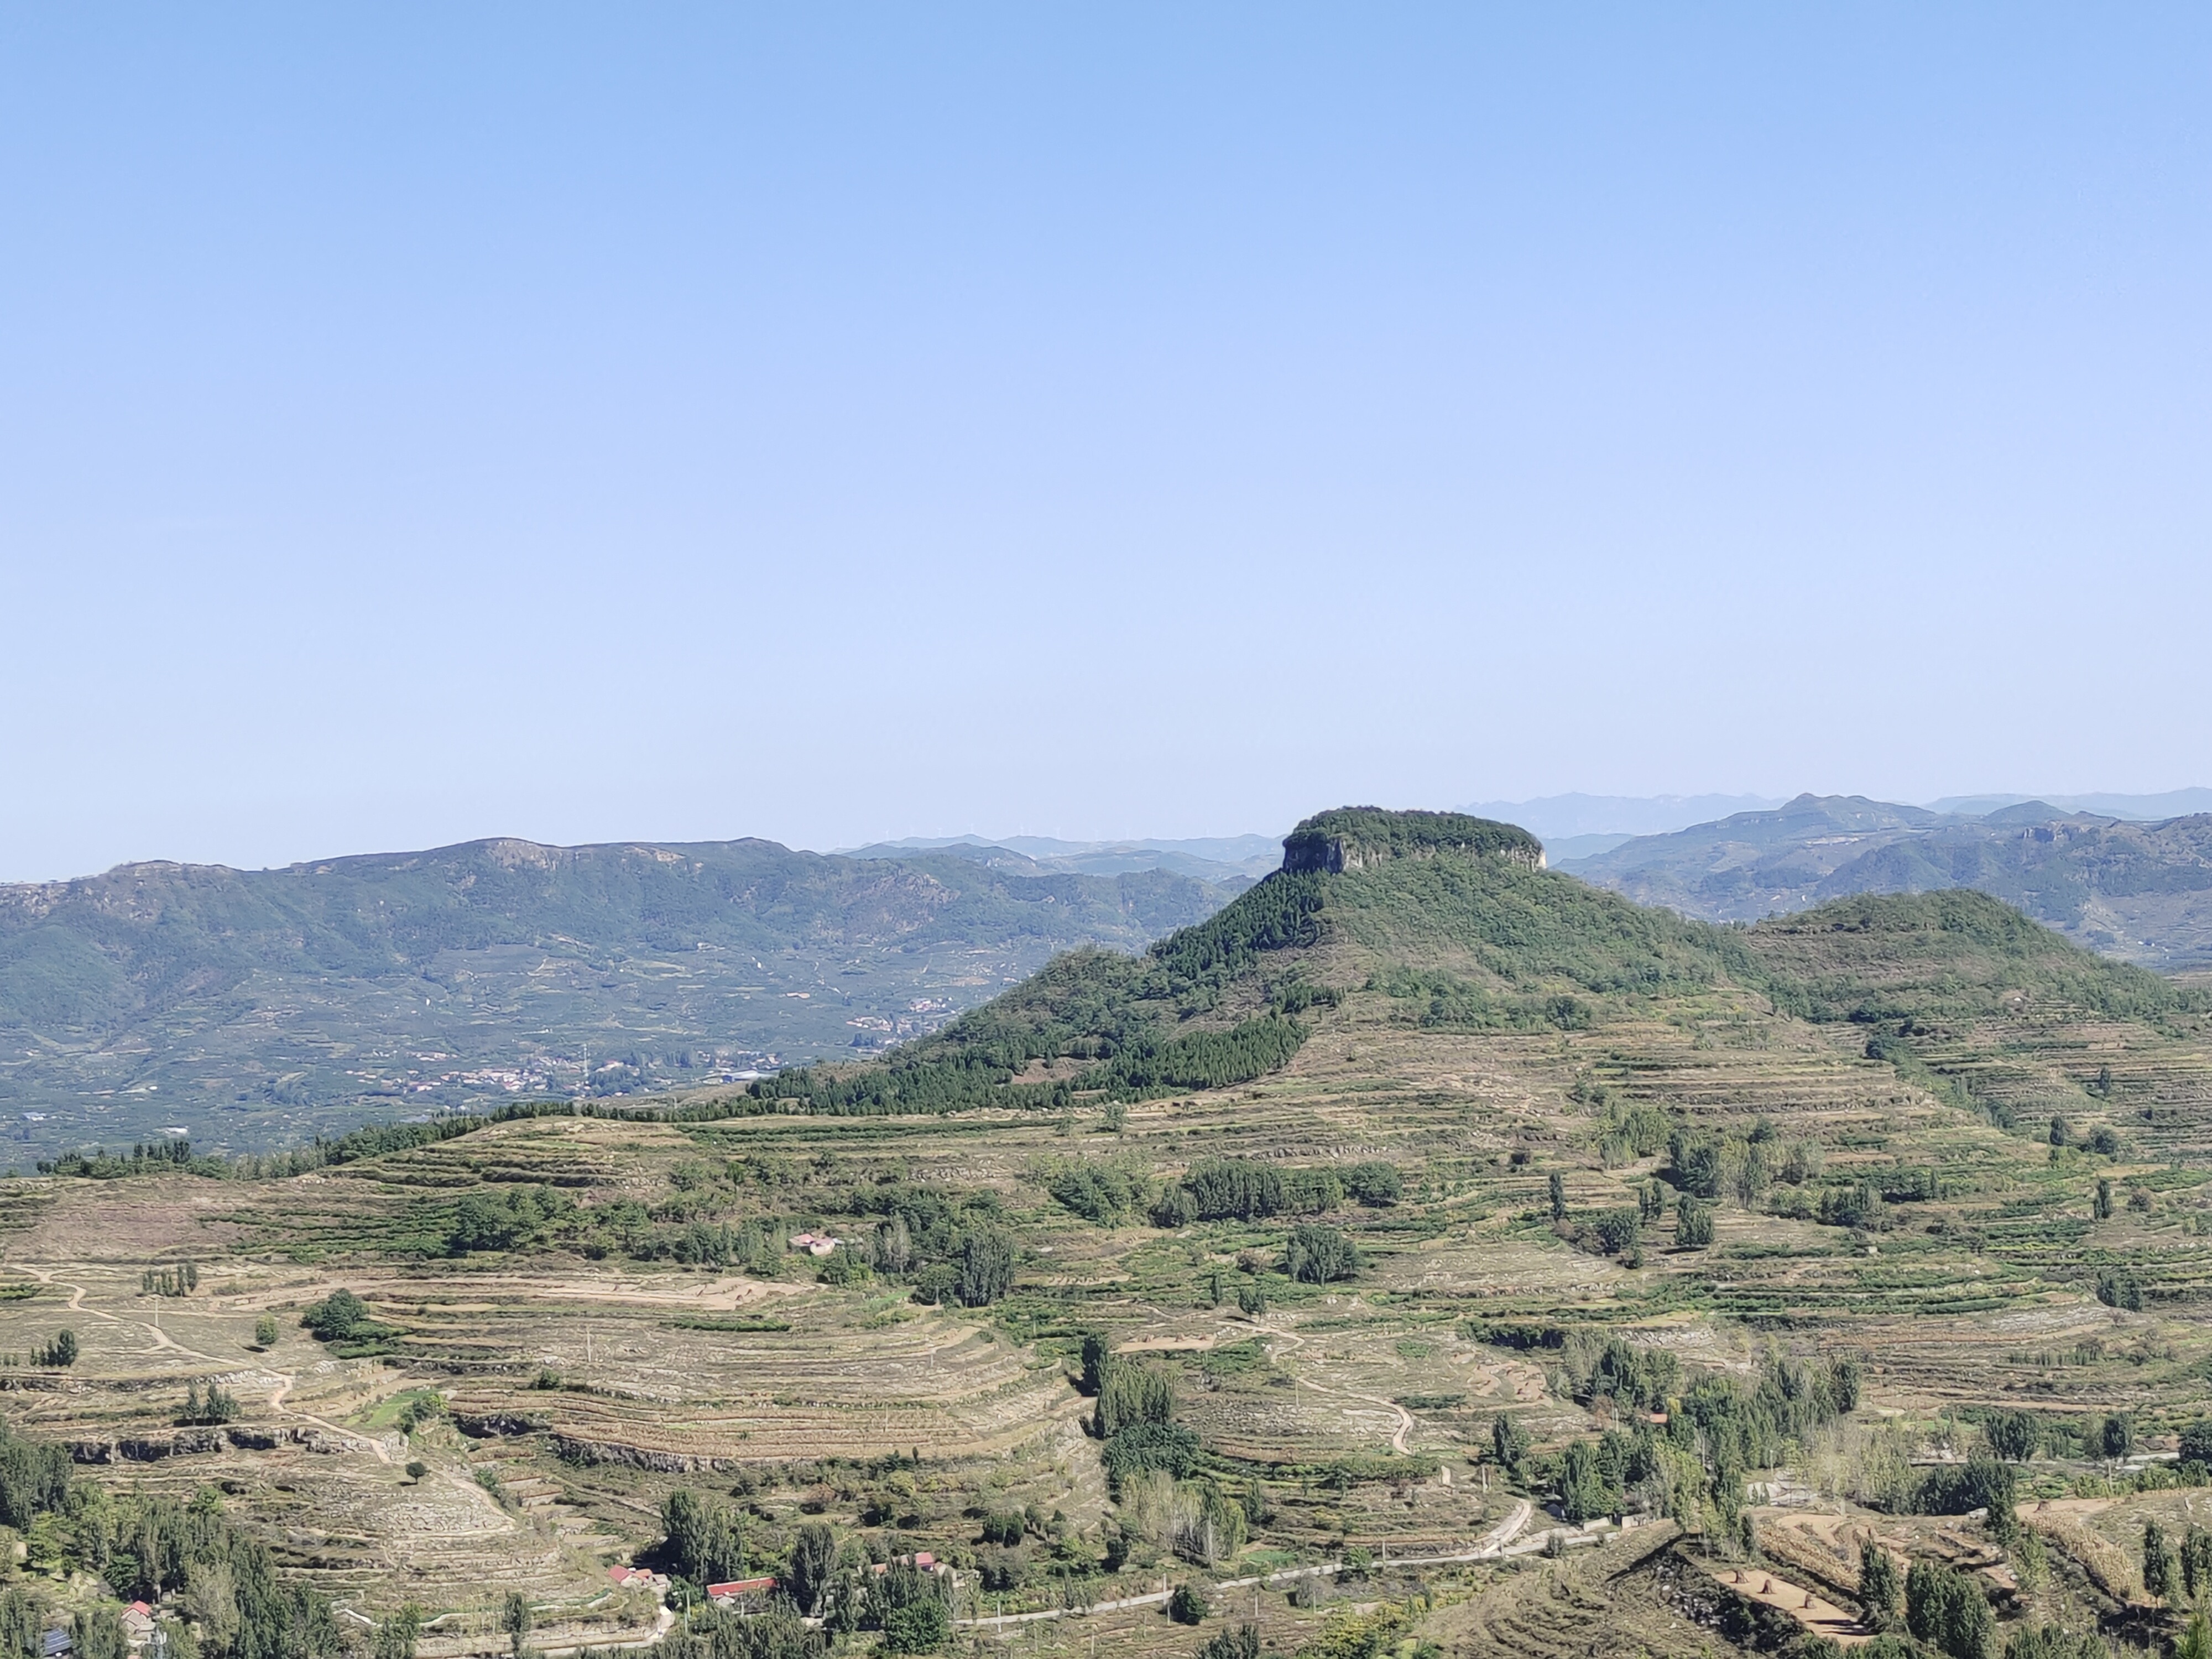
(243, 1006)
(2140, 891)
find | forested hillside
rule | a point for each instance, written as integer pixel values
(249, 1006)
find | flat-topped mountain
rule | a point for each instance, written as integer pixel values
(1457, 917)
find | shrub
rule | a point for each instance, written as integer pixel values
(1375, 1184)
(1185, 1605)
(1243, 1642)
(2050, 1642)
(264, 1331)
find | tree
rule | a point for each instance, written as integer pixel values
(1693, 1225)
(417, 1470)
(2059, 1133)
(1316, 1255)
(264, 1331)
(1557, 1186)
(2116, 1437)
(514, 1621)
(1880, 1596)
(2195, 1563)
(1132, 1393)
(916, 1627)
(1946, 1609)
(2012, 1435)
(1619, 1229)
(1098, 1357)
(211, 1602)
(2196, 1441)
(1508, 1440)
(1185, 1605)
(807, 1572)
(1251, 1301)
(396, 1636)
(894, 1246)
(100, 1635)
(2158, 1564)
(2196, 1641)
(2100, 1206)
(987, 1266)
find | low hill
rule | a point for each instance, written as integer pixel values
(2139, 891)
(250, 1006)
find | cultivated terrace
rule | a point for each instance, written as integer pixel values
(1429, 1252)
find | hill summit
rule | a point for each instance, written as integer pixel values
(1457, 923)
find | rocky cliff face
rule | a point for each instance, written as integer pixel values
(1362, 837)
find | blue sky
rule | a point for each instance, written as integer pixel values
(831, 424)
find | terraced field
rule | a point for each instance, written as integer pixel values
(569, 1319)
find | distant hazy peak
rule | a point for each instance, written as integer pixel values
(1555, 817)
(2143, 809)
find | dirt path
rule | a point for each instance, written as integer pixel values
(1821, 1617)
(162, 1340)
(1491, 1546)
(1405, 1418)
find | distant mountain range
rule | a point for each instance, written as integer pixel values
(2138, 891)
(253, 1007)
(1232, 859)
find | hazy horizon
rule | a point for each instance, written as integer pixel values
(423, 425)
(1559, 817)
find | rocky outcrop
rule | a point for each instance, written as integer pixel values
(575, 1450)
(1361, 837)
